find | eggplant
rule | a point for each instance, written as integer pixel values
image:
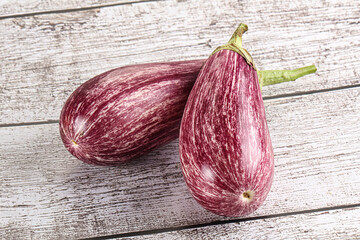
(126, 112)
(225, 147)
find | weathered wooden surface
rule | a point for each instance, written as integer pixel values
(10, 9)
(335, 224)
(48, 48)
(45, 57)
(47, 193)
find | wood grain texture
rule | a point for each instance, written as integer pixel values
(336, 224)
(46, 57)
(46, 193)
(28, 7)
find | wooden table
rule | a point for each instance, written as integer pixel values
(48, 48)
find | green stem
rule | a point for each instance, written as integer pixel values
(270, 77)
(236, 38)
(267, 77)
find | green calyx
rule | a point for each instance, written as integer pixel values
(266, 77)
(235, 44)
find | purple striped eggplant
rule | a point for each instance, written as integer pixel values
(226, 153)
(126, 112)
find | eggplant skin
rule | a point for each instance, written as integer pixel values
(225, 148)
(126, 112)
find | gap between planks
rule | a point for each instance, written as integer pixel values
(57, 11)
(221, 222)
(297, 94)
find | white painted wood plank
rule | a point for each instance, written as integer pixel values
(44, 58)
(335, 224)
(47, 193)
(25, 7)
